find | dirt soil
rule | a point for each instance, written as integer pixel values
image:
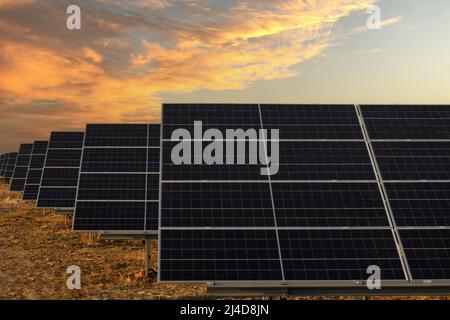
(37, 246)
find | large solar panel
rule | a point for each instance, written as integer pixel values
(21, 168)
(411, 145)
(35, 169)
(60, 176)
(10, 164)
(321, 217)
(118, 183)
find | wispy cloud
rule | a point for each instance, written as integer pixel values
(384, 23)
(370, 51)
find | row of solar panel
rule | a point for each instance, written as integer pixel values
(381, 170)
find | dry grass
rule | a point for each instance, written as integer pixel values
(36, 247)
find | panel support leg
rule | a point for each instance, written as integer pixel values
(148, 255)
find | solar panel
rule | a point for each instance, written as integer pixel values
(60, 175)
(417, 204)
(412, 160)
(321, 217)
(407, 122)
(35, 169)
(428, 253)
(118, 184)
(10, 164)
(2, 164)
(312, 122)
(411, 145)
(21, 167)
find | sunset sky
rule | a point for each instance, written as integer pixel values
(130, 56)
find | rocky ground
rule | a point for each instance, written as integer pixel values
(37, 246)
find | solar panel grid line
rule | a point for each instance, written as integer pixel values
(424, 228)
(389, 212)
(410, 140)
(271, 195)
(280, 140)
(413, 122)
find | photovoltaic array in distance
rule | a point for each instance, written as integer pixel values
(34, 175)
(119, 178)
(60, 177)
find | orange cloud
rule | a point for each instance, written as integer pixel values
(126, 55)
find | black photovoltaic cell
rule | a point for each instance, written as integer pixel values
(216, 205)
(325, 185)
(207, 172)
(57, 198)
(329, 205)
(413, 160)
(114, 160)
(417, 199)
(66, 140)
(407, 122)
(60, 174)
(188, 255)
(132, 135)
(308, 160)
(312, 121)
(118, 186)
(11, 164)
(111, 187)
(60, 177)
(35, 169)
(63, 158)
(217, 116)
(153, 159)
(338, 254)
(21, 167)
(30, 192)
(428, 253)
(153, 187)
(108, 216)
(2, 165)
(420, 204)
